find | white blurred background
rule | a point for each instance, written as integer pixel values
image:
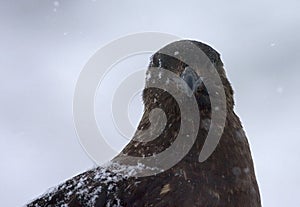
(44, 45)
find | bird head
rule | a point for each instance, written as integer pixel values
(195, 63)
(180, 73)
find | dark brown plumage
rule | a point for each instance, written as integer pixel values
(226, 178)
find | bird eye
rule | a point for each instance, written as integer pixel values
(191, 78)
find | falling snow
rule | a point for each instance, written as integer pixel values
(148, 76)
(56, 3)
(279, 90)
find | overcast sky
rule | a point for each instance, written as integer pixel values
(44, 45)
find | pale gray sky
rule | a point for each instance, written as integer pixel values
(45, 44)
